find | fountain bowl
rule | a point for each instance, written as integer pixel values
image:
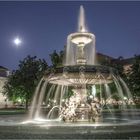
(84, 38)
(81, 74)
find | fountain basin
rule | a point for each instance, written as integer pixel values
(81, 74)
(84, 38)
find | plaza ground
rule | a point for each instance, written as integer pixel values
(12, 127)
(56, 132)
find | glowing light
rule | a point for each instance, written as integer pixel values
(17, 41)
(91, 96)
(125, 98)
(82, 117)
(19, 100)
(93, 90)
(63, 100)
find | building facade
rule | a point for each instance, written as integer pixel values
(4, 72)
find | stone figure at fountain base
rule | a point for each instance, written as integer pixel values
(77, 108)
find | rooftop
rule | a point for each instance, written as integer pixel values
(1, 67)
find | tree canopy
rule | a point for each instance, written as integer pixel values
(57, 58)
(117, 64)
(22, 82)
(134, 76)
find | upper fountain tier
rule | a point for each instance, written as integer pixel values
(80, 48)
(81, 38)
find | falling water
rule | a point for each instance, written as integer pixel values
(70, 51)
(127, 91)
(49, 93)
(120, 93)
(50, 114)
(61, 94)
(101, 91)
(40, 99)
(118, 86)
(94, 91)
(129, 95)
(108, 92)
(57, 99)
(33, 104)
(57, 94)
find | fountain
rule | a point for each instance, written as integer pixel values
(82, 90)
(80, 100)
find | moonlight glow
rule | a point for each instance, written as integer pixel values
(17, 41)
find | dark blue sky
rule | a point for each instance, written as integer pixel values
(44, 26)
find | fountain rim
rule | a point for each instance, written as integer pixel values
(75, 34)
(82, 68)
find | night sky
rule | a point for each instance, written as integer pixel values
(44, 26)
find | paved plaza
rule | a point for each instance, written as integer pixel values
(15, 127)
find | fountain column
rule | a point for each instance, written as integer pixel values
(81, 54)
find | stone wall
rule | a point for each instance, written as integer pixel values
(3, 99)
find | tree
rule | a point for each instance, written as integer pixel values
(134, 76)
(22, 82)
(116, 64)
(57, 58)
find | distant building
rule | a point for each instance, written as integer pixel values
(104, 59)
(4, 72)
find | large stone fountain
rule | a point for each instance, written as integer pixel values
(81, 89)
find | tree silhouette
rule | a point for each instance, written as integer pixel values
(134, 77)
(22, 82)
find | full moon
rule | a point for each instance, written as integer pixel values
(17, 41)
